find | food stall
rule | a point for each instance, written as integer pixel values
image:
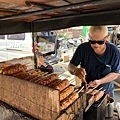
(28, 91)
(46, 96)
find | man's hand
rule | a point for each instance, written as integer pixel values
(81, 73)
(84, 84)
(95, 83)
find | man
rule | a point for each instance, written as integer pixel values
(98, 59)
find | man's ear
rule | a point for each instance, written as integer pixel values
(107, 38)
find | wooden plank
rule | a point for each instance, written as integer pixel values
(117, 89)
(116, 83)
(70, 113)
(56, 3)
(74, 109)
(36, 100)
(78, 1)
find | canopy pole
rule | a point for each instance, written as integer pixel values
(33, 44)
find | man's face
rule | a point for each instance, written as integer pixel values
(97, 41)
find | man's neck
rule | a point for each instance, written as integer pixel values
(100, 51)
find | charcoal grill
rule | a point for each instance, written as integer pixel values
(97, 110)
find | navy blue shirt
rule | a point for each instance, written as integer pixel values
(97, 66)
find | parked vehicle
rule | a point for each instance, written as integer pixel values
(15, 46)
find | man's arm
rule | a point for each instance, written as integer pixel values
(72, 68)
(79, 72)
(108, 78)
